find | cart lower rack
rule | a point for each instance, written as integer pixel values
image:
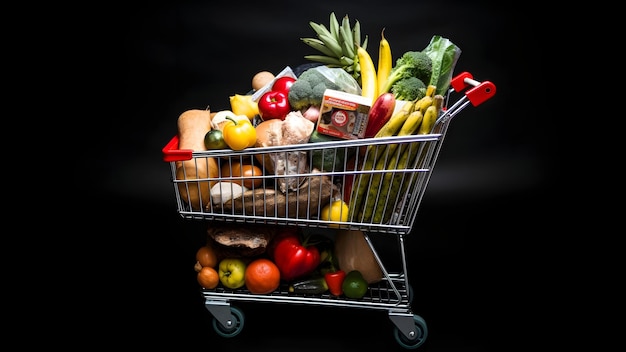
(296, 197)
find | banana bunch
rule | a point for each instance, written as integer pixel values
(337, 45)
(373, 198)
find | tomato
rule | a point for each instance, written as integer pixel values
(214, 139)
(274, 105)
(243, 174)
(283, 84)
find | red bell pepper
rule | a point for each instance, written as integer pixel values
(294, 258)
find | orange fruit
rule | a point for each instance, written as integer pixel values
(262, 276)
(208, 277)
(243, 172)
(207, 256)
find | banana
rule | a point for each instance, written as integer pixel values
(395, 183)
(320, 29)
(364, 43)
(346, 37)
(332, 44)
(387, 159)
(426, 101)
(356, 35)
(338, 41)
(394, 124)
(327, 38)
(384, 62)
(327, 60)
(347, 44)
(369, 88)
(432, 112)
(334, 25)
(412, 123)
(318, 45)
(346, 61)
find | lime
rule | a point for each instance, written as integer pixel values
(214, 139)
(354, 285)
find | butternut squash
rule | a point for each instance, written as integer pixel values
(192, 127)
(353, 253)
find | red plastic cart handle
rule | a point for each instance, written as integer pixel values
(172, 153)
(481, 91)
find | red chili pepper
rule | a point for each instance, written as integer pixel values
(293, 257)
(334, 280)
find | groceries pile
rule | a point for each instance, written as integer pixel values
(340, 95)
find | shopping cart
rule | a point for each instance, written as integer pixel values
(302, 207)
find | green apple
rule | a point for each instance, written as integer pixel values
(232, 272)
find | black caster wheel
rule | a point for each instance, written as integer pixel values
(419, 338)
(235, 327)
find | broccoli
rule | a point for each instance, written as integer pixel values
(411, 88)
(309, 89)
(411, 64)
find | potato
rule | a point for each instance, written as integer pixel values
(260, 79)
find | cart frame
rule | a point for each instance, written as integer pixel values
(393, 293)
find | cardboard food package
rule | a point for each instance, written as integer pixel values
(343, 115)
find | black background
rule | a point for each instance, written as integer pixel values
(464, 253)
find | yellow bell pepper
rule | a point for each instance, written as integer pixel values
(239, 134)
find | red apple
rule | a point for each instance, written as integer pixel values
(283, 84)
(274, 105)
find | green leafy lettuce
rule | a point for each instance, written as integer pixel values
(444, 55)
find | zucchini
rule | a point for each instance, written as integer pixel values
(312, 286)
